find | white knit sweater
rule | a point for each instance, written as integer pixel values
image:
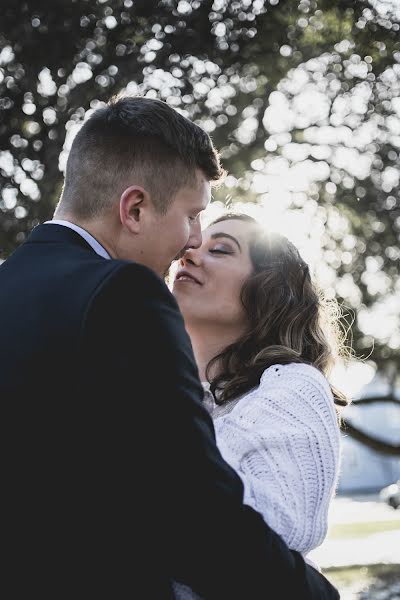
(283, 438)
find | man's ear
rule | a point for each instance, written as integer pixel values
(132, 205)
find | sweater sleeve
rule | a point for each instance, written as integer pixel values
(283, 440)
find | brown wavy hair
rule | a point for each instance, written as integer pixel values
(289, 320)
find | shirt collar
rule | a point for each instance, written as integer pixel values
(98, 248)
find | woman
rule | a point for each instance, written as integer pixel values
(264, 348)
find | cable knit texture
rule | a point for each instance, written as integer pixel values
(283, 440)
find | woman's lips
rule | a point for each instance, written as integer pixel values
(185, 276)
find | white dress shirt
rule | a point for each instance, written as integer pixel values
(98, 248)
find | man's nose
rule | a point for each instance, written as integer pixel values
(195, 237)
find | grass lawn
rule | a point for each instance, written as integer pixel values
(362, 529)
(366, 582)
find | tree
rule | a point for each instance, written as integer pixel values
(224, 64)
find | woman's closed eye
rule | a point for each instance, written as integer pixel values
(221, 250)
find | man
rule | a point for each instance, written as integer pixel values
(115, 486)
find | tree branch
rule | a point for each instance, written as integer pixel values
(373, 443)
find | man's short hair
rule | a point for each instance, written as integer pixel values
(135, 140)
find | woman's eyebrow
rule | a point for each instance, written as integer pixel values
(225, 235)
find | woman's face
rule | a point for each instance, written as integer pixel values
(209, 280)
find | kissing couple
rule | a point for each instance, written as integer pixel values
(162, 444)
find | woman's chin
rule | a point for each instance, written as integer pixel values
(183, 289)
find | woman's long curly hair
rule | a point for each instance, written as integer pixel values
(289, 321)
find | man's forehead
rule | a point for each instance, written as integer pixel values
(203, 185)
(202, 196)
(199, 183)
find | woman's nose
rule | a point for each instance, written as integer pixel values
(192, 257)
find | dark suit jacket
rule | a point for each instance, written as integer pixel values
(113, 482)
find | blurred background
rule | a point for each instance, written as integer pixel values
(302, 98)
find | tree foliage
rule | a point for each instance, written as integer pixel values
(225, 64)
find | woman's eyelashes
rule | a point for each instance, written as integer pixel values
(220, 250)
